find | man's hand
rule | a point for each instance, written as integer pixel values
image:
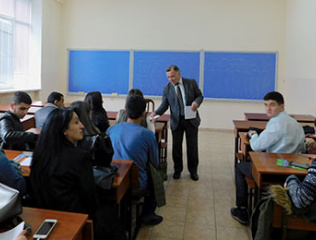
(152, 114)
(194, 106)
(251, 132)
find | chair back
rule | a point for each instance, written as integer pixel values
(150, 105)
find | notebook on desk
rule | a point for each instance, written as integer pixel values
(24, 159)
(292, 164)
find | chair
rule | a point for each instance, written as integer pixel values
(282, 220)
(150, 105)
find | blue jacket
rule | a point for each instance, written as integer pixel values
(10, 174)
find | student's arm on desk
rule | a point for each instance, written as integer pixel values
(263, 141)
(11, 136)
(303, 194)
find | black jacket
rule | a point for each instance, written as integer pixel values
(12, 134)
(67, 183)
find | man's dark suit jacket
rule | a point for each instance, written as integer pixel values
(169, 98)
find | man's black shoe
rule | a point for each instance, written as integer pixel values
(194, 176)
(152, 219)
(176, 175)
(241, 215)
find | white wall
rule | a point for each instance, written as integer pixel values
(301, 56)
(222, 25)
(51, 45)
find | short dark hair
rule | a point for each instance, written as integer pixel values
(172, 67)
(135, 106)
(276, 96)
(135, 91)
(54, 96)
(21, 97)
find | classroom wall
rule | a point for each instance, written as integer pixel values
(301, 56)
(214, 25)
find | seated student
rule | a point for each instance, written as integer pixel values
(133, 142)
(283, 134)
(61, 174)
(12, 134)
(10, 174)
(303, 194)
(122, 115)
(54, 100)
(98, 114)
(83, 110)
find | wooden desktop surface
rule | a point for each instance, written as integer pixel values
(264, 169)
(69, 225)
(120, 184)
(304, 118)
(244, 125)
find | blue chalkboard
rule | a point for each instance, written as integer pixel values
(232, 75)
(149, 69)
(96, 70)
(227, 75)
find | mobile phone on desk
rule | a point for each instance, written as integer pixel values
(44, 230)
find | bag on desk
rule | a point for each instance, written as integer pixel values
(10, 203)
(104, 176)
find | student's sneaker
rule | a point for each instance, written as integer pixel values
(241, 215)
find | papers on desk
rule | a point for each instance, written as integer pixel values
(24, 159)
(13, 233)
(189, 113)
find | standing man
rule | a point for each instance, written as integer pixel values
(12, 134)
(54, 100)
(184, 97)
(283, 134)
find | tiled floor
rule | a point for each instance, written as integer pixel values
(201, 210)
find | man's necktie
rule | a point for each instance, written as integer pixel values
(180, 100)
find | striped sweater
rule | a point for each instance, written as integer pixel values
(303, 194)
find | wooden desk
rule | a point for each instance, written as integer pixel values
(34, 130)
(122, 180)
(38, 104)
(69, 225)
(244, 145)
(263, 117)
(265, 171)
(243, 126)
(120, 184)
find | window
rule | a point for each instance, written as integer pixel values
(16, 36)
